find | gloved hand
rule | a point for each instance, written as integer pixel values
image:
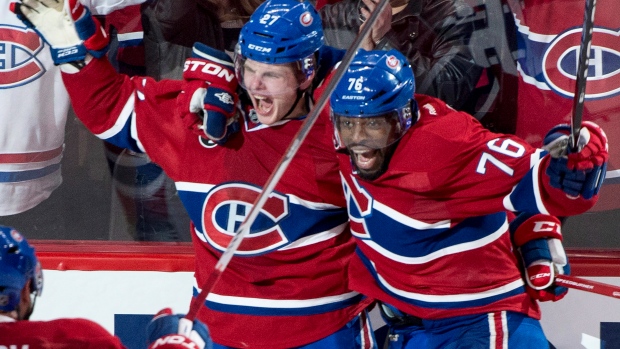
(66, 26)
(163, 333)
(209, 98)
(538, 239)
(577, 173)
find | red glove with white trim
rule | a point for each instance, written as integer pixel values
(209, 99)
(163, 333)
(539, 242)
(578, 173)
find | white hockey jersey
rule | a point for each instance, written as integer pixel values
(33, 112)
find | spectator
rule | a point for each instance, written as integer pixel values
(172, 27)
(433, 34)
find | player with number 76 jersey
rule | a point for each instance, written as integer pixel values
(428, 189)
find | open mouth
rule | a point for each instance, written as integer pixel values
(365, 158)
(264, 105)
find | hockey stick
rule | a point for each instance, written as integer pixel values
(277, 173)
(582, 73)
(588, 286)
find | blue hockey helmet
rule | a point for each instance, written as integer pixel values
(18, 264)
(377, 89)
(281, 32)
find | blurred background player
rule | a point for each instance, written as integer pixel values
(21, 282)
(428, 189)
(32, 134)
(549, 36)
(286, 286)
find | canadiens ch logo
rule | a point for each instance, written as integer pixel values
(561, 57)
(18, 62)
(359, 206)
(227, 206)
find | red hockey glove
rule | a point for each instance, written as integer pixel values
(577, 173)
(69, 28)
(539, 242)
(209, 99)
(163, 333)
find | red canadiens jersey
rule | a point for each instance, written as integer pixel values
(549, 36)
(432, 231)
(61, 334)
(286, 286)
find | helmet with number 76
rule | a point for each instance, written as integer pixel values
(373, 102)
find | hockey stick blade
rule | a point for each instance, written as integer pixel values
(582, 73)
(588, 285)
(244, 227)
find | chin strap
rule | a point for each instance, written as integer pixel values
(300, 94)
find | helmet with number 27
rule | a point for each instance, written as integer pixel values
(281, 32)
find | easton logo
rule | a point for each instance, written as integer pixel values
(227, 206)
(561, 58)
(18, 62)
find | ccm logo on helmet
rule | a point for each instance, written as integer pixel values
(259, 48)
(209, 68)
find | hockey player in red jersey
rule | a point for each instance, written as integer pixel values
(287, 284)
(428, 189)
(21, 282)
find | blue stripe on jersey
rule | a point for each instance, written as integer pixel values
(291, 308)
(407, 241)
(450, 303)
(20, 176)
(525, 197)
(124, 139)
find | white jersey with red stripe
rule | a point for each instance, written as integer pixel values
(32, 117)
(549, 35)
(286, 285)
(432, 231)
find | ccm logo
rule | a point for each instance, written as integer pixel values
(542, 226)
(540, 276)
(67, 51)
(209, 68)
(259, 48)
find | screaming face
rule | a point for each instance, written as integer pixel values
(273, 89)
(370, 141)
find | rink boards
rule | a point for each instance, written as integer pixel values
(121, 285)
